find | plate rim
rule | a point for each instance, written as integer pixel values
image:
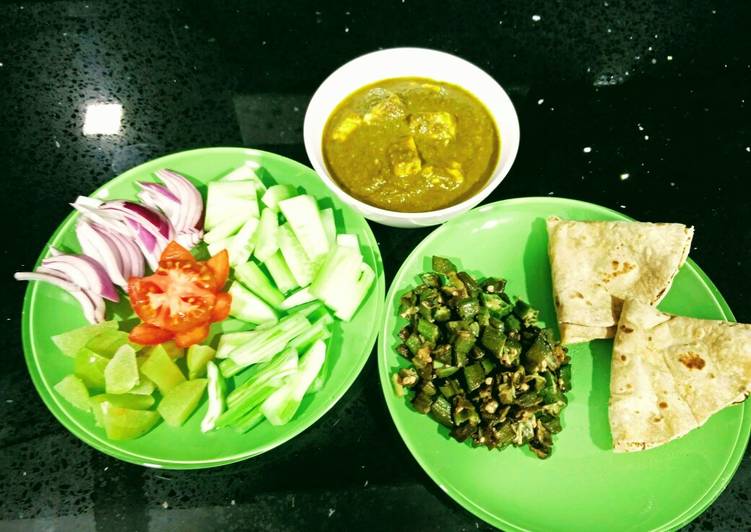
(111, 448)
(689, 514)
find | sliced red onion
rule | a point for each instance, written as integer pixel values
(188, 194)
(159, 189)
(130, 255)
(84, 272)
(152, 220)
(99, 248)
(92, 305)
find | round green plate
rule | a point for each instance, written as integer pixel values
(48, 311)
(584, 485)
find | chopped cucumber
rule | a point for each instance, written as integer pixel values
(265, 345)
(229, 198)
(181, 401)
(226, 228)
(329, 225)
(337, 277)
(108, 341)
(275, 194)
(267, 242)
(294, 255)
(251, 276)
(247, 172)
(319, 331)
(121, 373)
(304, 219)
(241, 245)
(124, 423)
(89, 366)
(162, 370)
(300, 297)
(279, 271)
(125, 400)
(71, 342)
(219, 245)
(249, 307)
(73, 390)
(347, 306)
(198, 357)
(348, 240)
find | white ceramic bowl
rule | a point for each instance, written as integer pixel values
(411, 62)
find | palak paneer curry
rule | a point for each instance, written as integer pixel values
(411, 144)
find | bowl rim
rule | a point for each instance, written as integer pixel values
(499, 172)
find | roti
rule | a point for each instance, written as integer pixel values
(669, 374)
(597, 265)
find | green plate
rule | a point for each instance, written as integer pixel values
(48, 311)
(584, 485)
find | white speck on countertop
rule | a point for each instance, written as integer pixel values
(539, 102)
(748, 148)
(57, 143)
(536, 18)
(24, 473)
(625, 176)
(296, 109)
(610, 31)
(552, 108)
(263, 43)
(649, 48)
(500, 22)
(622, 206)
(365, 485)
(714, 11)
(551, 193)
(9, 401)
(646, 137)
(654, 61)
(331, 511)
(186, 27)
(587, 149)
(293, 501)
(669, 58)
(672, 183)
(1, 64)
(165, 504)
(640, 127)
(232, 502)
(106, 468)
(346, 29)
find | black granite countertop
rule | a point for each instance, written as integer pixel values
(640, 106)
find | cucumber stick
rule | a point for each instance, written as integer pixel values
(295, 257)
(229, 341)
(348, 240)
(267, 241)
(229, 198)
(347, 306)
(250, 275)
(304, 219)
(337, 276)
(226, 228)
(329, 225)
(241, 245)
(247, 172)
(249, 307)
(275, 194)
(300, 297)
(219, 245)
(279, 271)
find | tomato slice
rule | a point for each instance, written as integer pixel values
(147, 334)
(177, 297)
(196, 335)
(219, 264)
(174, 251)
(221, 307)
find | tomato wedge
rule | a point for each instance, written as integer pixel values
(196, 335)
(174, 251)
(219, 264)
(181, 298)
(147, 334)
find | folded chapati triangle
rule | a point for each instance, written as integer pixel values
(597, 265)
(669, 374)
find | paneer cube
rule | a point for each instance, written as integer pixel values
(404, 158)
(438, 125)
(389, 107)
(348, 124)
(447, 178)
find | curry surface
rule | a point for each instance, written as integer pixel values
(411, 144)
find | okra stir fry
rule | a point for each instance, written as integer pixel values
(480, 365)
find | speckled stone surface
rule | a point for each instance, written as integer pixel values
(639, 106)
